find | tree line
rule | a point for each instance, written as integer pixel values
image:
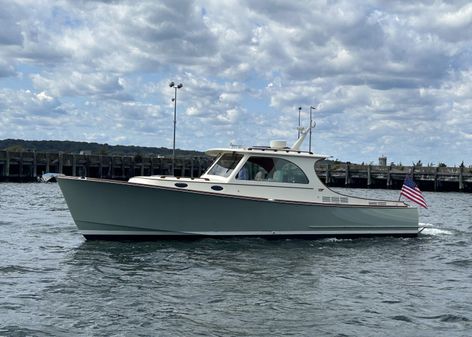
(66, 146)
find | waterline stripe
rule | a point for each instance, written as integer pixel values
(250, 233)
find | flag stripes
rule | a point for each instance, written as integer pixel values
(412, 192)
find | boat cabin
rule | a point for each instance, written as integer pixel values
(271, 173)
(263, 166)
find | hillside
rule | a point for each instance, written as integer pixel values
(95, 148)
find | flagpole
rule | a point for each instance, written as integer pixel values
(400, 196)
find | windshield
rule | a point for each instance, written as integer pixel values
(225, 165)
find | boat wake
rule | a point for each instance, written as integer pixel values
(336, 240)
(430, 230)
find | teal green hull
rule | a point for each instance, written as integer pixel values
(108, 209)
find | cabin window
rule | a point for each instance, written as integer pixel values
(272, 169)
(225, 165)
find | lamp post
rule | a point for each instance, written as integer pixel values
(178, 86)
(299, 120)
(311, 122)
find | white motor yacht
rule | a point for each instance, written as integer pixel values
(257, 191)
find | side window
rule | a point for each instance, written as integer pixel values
(272, 169)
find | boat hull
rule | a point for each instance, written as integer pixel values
(104, 209)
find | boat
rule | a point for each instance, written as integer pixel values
(49, 177)
(261, 191)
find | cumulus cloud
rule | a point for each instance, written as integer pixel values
(98, 85)
(6, 70)
(24, 112)
(10, 34)
(386, 77)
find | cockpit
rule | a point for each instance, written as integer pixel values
(257, 168)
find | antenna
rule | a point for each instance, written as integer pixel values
(311, 126)
(299, 120)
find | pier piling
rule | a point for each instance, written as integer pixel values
(347, 177)
(28, 165)
(461, 178)
(369, 176)
(6, 167)
(35, 166)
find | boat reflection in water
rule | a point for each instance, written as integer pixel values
(260, 191)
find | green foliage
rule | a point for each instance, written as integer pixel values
(15, 148)
(18, 145)
(104, 150)
(138, 158)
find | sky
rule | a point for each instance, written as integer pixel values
(388, 78)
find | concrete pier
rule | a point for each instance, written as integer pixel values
(430, 178)
(27, 166)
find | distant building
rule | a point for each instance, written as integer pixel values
(383, 161)
(85, 152)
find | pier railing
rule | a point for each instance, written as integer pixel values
(375, 176)
(28, 165)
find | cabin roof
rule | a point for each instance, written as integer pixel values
(267, 151)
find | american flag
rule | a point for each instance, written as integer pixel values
(412, 192)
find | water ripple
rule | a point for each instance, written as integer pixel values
(54, 283)
(450, 318)
(461, 263)
(402, 318)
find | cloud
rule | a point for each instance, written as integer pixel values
(97, 85)
(16, 103)
(10, 34)
(159, 34)
(24, 112)
(386, 77)
(6, 70)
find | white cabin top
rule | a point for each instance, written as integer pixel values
(263, 164)
(263, 150)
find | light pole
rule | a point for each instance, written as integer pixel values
(172, 85)
(311, 122)
(299, 120)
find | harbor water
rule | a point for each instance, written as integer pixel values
(54, 283)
